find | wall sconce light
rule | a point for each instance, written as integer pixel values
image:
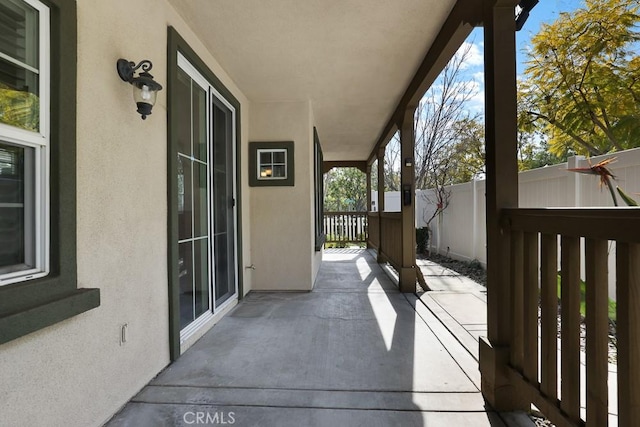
(145, 88)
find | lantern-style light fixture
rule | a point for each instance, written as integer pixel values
(145, 88)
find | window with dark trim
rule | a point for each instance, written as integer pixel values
(24, 140)
(178, 47)
(44, 212)
(271, 164)
(318, 170)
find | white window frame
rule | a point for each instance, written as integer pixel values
(39, 141)
(214, 311)
(259, 164)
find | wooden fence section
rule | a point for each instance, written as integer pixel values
(534, 271)
(374, 229)
(391, 238)
(345, 227)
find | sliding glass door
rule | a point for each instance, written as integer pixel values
(206, 198)
(224, 236)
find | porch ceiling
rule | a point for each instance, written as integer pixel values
(352, 59)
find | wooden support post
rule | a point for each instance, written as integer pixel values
(381, 243)
(502, 192)
(369, 188)
(369, 200)
(407, 271)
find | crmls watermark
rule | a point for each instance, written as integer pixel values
(203, 418)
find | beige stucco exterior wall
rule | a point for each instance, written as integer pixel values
(76, 373)
(282, 224)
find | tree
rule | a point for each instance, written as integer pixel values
(392, 164)
(465, 158)
(449, 138)
(345, 190)
(583, 80)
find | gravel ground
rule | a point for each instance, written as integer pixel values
(473, 270)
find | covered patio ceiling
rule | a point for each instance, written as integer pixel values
(353, 59)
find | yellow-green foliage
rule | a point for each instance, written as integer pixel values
(583, 304)
(582, 86)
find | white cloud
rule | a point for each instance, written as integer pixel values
(475, 56)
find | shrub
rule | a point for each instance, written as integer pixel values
(422, 239)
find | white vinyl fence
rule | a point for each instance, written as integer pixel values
(460, 230)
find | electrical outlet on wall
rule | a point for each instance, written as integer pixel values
(124, 332)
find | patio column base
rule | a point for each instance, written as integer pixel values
(496, 387)
(407, 282)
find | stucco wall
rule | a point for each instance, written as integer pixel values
(76, 373)
(281, 217)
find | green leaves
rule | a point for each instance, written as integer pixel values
(582, 87)
(345, 190)
(628, 200)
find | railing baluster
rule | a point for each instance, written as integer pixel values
(332, 220)
(346, 227)
(549, 315)
(628, 332)
(597, 227)
(597, 320)
(530, 365)
(570, 326)
(517, 282)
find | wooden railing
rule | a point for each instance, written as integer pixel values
(391, 238)
(534, 236)
(345, 227)
(374, 230)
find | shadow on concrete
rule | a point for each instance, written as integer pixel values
(352, 352)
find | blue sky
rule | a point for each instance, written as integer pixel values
(546, 11)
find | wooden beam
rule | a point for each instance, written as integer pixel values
(358, 164)
(620, 224)
(465, 15)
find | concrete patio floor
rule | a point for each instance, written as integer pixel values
(353, 352)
